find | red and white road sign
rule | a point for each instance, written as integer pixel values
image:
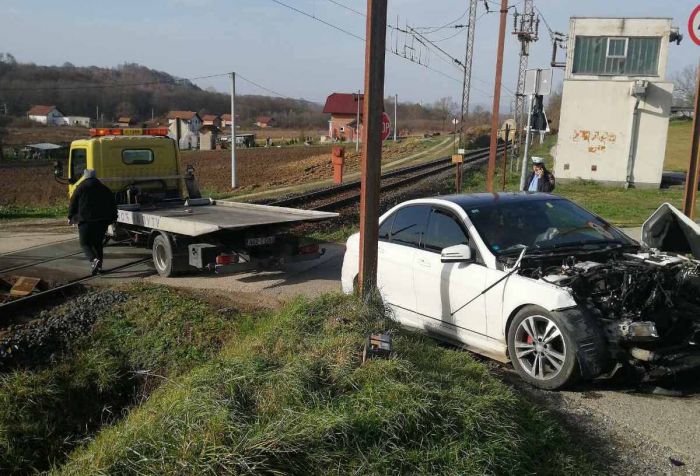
(694, 25)
(386, 126)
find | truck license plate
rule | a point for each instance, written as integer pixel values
(262, 240)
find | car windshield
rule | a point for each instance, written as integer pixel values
(542, 225)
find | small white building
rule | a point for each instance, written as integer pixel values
(615, 101)
(79, 121)
(48, 115)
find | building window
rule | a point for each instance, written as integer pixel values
(615, 56)
(617, 48)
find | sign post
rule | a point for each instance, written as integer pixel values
(537, 82)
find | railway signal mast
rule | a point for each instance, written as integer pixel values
(466, 84)
(525, 26)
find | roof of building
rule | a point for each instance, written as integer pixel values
(210, 117)
(39, 110)
(343, 103)
(124, 119)
(226, 117)
(264, 119)
(186, 115)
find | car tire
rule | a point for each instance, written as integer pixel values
(543, 348)
(167, 261)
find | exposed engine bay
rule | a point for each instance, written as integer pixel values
(647, 303)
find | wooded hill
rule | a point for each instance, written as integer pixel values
(137, 91)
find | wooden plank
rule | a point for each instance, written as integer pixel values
(24, 286)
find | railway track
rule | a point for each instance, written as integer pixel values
(61, 267)
(333, 198)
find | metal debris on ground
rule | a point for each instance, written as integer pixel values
(377, 346)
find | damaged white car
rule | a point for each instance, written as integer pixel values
(535, 279)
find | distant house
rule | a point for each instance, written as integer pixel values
(226, 121)
(48, 115)
(79, 121)
(184, 126)
(211, 120)
(126, 121)
(264, 121)
(343, 108)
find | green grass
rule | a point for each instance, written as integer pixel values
(10, 212)
(47, 409)
(290, 396)
(680, 134)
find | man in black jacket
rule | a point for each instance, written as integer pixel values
(541, 179)
(92, 208)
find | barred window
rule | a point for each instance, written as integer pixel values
(616, 56)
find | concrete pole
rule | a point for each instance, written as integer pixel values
(357, 124)
(371, 159)
(691, 180)
(496, 98)
(396, 121)
(234, 175)
(526, 151)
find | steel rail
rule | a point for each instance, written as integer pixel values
(416, 172)
(36, 296)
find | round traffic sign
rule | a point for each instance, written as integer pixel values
(694, 25)
(386, 126)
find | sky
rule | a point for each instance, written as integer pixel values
(294, 55)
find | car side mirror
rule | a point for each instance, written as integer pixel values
(456, 254)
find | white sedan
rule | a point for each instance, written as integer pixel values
(535, 279)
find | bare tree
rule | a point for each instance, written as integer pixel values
(684, 85)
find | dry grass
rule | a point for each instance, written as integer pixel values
(680, 134)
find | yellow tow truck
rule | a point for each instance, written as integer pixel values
(162, 208)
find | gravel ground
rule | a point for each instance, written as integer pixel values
(53, 330)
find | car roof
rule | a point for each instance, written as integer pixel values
(481, 199)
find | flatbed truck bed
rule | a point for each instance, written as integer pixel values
(215, 235)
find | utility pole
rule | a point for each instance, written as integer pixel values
(371, 159)
(469, 54)
(357, 124)
(505, 156)
(496, 97)
(528, 138)
(691, 180)
(396, 121)
(526, 27)
(97, 115)
(234, 176)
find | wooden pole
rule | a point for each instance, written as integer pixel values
(496, 97)
(371, 158)
(691, 180)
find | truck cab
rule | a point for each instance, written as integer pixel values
(131, 162)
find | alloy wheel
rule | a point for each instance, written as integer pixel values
(540, 347)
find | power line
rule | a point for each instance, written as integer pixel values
(238, 75)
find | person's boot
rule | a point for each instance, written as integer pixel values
(95, 265)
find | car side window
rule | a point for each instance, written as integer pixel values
(385, 228)
(443, 231)
(409, 225)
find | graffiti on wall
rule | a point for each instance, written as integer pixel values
(594, 141)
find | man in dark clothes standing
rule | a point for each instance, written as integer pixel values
(541, 179)
(92, 208)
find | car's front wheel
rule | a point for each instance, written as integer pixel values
(542, 348)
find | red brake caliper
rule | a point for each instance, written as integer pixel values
(529, 339)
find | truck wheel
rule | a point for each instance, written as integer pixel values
(543, 348)
(166, 261)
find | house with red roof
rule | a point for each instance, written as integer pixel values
(343, 108)
(264, 121)
(211, 120)
(49, 115)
